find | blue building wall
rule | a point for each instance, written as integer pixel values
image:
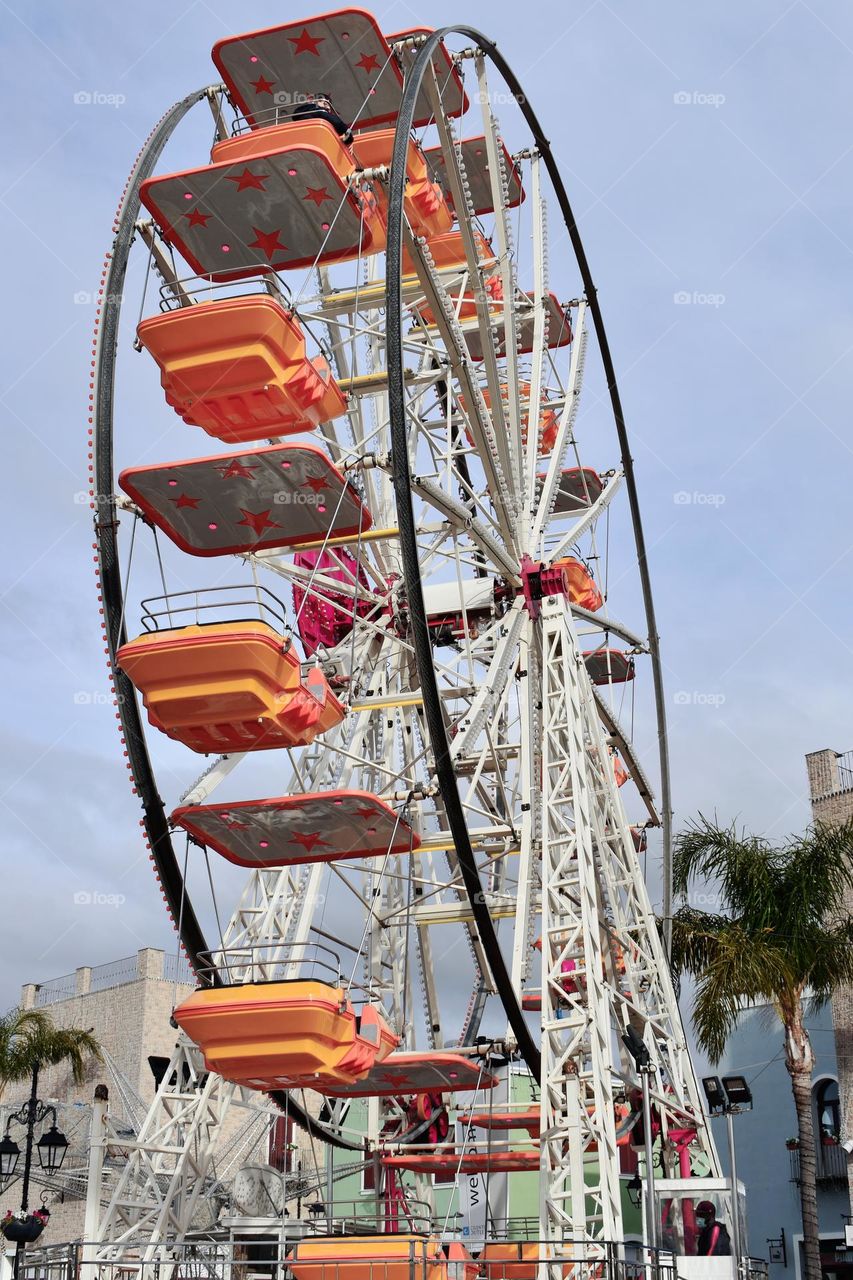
(763, 1163)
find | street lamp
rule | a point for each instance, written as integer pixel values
(635, 1190)
(729, 1097)
(9, 1155)
(51, 1148)
(638, 1050)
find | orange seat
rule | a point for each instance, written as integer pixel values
(238, 369)
(581, 588)
(394, 1256)
(426, 208)
(448, 251)
(549, 419)
(234, 686)
(510, 1259)
(285, 1034)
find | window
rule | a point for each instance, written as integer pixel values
(828, 1110)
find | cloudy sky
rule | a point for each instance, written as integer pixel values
(708, 154)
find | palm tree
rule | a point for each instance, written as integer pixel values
(29, 1040)
(783, 935)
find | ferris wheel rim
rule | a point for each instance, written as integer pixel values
(102, 480)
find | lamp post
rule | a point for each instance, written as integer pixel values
(728, 1097)
(51, 1148)
(645, 1067)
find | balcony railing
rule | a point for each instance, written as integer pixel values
(831, 1162)
(845, 771)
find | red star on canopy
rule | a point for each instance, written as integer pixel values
(318, 194)
(366, 813)
(196, 218)
(308, 840)
(184, 500)
(248, 179)
(395, 1080)
(368, 62)
(268, 242)
(316, 483)
(232, 824)
(262, 85)
(306, 43)
(258, 521)
(236, 468)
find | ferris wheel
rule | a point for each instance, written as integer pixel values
(379, 614)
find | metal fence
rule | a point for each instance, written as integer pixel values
(114, 974)
(830, 1161)
(117, 973)
(177, 968)
(845, 771)
(57, 989)
(275, 1255)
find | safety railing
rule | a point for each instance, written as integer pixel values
(193, 290)
(183, 608)
(289, 1253)
(271, 962)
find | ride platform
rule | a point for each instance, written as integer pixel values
(428, 1072)
(231, 686)
(292, 830)
(343, 53)
(467, 1163)
(476, 167)
(501, 1121)
(283, 199)
(276, 1035)
(238, 368)
(235, 503)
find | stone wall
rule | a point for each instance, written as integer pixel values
(832, 802)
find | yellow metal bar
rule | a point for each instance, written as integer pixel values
(346, 540)
(390, 700)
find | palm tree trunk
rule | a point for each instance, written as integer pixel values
(799, 1060)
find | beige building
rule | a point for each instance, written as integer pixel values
(831, 790)
(128, 1005)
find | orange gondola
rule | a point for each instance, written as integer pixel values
(232, 686)
(275, 1035)
(238, 369)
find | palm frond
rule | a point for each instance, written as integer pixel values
(29, 1037)
(743, 968)
(817, 875)
(695, 939)
(831, 961)
(745, 867)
